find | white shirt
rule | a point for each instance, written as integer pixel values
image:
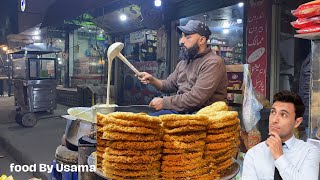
(300, 161)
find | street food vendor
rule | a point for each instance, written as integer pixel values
(200, 78)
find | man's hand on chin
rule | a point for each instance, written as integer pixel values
(274, 143)
(156, 103)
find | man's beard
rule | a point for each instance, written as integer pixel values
(189, 53)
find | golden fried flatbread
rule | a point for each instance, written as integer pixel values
(222, 116)
(187, 137)
(217, 152)
(165, 168)
(123, 122)
(183, 162)
(131, 159)
(102, 143)
(101, 148)
(227, 136)
(183, 117)
(132, 152)
(185, 129)
(184, 174)
(129, 136)
(180, 123)
(100, 128)
(234, 127)
(138, 145)
(221, 158)
(138, 130)
(178, 157)
(180, 151)
(224, 165)
(113, 176)
(226, 123)
(182, 145)
(214, 146)
(130, 166)
(132, 174)
(215, 107)
(135, 117)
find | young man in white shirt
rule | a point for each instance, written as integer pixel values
(282, 156)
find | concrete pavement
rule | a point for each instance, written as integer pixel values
(36, 145)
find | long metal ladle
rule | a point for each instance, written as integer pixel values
(115, 51)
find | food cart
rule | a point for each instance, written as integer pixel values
(35, 81)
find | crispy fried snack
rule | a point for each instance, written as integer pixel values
(178, 157)
(227, 136)
(217, 106)
(185, 129)
(138, 130)
(180, 151)
(135, 145)
(224, 124)
(182, 168)
(220, 158)
(185, 174)
(99, 153)
(129, 136)
(235, 127)
(113, 176)
(99, 128)
(135, 117)
(180, 123)
(101, 148)
(122, 122)
(182, 117)
(100, 117)
(182, 145)
(218, 152)
(102, 142)
(183, 162)
(187, 137)
(224, 165)
(130, 159)
(208, 176)
(215, 146)
(130, 166)
(222, 116)
(132, 152)
(132, 174)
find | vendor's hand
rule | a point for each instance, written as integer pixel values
(156, 103)
(274, 143)
(145, 77)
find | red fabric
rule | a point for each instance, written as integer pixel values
(311, 29)
(305, 22)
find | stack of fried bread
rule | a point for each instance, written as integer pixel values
(184, 142)
(130, 144)
(222, 140)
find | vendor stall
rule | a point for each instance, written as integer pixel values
(34, 79)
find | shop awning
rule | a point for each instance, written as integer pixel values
(61, 10)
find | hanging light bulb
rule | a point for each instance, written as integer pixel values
(123, 17)
(157, 3)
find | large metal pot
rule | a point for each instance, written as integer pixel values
(75, 129)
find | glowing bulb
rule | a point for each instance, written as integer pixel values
(4, 48)
(225, 31)
(123, 17)
(157, 3)
(241, 4)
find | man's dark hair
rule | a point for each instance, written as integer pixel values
(291, 97)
